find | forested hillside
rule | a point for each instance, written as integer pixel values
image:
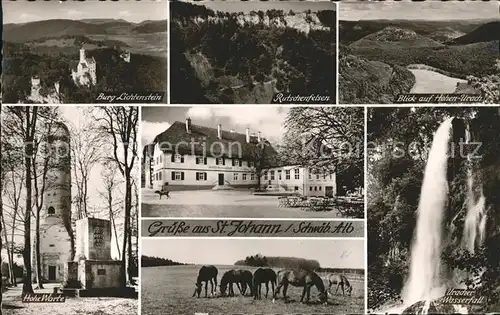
(232, 58)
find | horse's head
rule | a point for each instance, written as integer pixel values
(349, 290)
(197, 288)
(223, 288)
(323, 296)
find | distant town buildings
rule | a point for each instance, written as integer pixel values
(85, 71)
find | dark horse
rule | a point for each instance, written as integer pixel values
(341, 281)
(206, 274)
(243, 277)
(263, 275)
(301, 278)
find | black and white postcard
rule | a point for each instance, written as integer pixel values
(436, 51)
(248, 276)
(84, 52)
(253, 52)
(433, 228)
(270, 162)
(69, 210)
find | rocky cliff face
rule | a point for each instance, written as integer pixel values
(303, 22)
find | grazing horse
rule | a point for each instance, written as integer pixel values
(246, 281)
(206, 274)
(341, 281)
(263, 275)
(301, 278)
(243, 277)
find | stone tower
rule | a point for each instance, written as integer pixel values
(55, 218)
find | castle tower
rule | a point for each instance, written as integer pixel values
(55, 217)
(82, 55)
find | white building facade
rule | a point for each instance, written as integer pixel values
(191, 171)
(85, 72)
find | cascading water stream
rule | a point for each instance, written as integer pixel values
(475, 219)
(425, 279)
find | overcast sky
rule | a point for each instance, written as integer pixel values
(268, 120)
(132, 11)
(426, 10)
(256, 5)
(333, 253)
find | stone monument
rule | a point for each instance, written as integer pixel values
(93, 272)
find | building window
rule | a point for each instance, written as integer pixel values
(297, 176)
(272, 175)
(51, 210)
(178, 158)
(265, 175)
(287, 174)
(161, 158)
(52, 245)
(201, 176)
(252, 176)
(250, 163)
(315, 188)
(319, 188)
(279, 175)
(201, 160)
(317, 176)
(233, 161)
(159, 175)
(244, 176)
(240, 163)
(177, 175)
(331, 176)
(324, 176)
(296, 188)
(220, 161)
(310, 175)
(310, 188)
(235, 176)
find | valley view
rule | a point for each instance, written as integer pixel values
(381, 58)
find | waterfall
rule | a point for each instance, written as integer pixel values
(475, 219)
(425, 280)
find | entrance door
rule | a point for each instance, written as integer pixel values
(52, 273)
(329, 191)
(221, 178)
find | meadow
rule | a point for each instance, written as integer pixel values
(168, 290)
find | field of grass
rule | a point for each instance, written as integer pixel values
(168, 290)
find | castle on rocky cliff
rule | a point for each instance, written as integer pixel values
(85, 71)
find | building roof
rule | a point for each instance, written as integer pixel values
(177, 136)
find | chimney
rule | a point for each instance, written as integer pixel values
(248, 135)
(258, 136)
(219, 131)
(188, 125)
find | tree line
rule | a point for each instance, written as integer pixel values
(149, 261)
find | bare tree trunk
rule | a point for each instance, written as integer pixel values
(9, 256)
(136, 228)
(37, 253)
(30, 127)
(126, 228)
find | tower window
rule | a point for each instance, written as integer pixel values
(51, 210)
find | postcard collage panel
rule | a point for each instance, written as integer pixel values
(250, 157)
